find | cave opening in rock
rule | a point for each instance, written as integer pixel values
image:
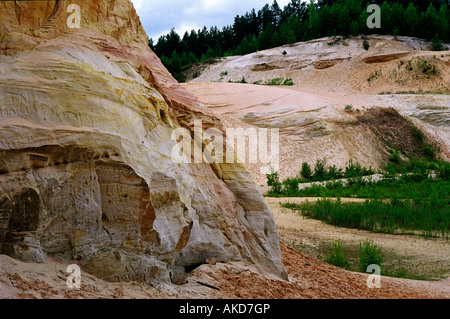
(25, 211)
(192, 267)
(21, 215)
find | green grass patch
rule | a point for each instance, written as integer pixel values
(242, 81)
(278, 82)
(337, 257)
(288, 82)
(401, 180)
(433, 191)
(374, 75)
(381, 216)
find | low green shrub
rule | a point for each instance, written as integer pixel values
(395, 156)
(366, 45)
(290, 186)
(336, 257)
(276, 81)
(306, 172)
(443, 170)
(369, 254)
(288, 82)
(320, 172)
(436, 44)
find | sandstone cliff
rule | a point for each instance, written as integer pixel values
(86, 174)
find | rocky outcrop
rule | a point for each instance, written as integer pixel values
(325, 64)
(86, 117)
(264, 67)
(384, 57)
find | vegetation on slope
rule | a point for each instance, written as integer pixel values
(412, 193)
(380, 216)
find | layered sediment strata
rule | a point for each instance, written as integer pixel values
(86, 120)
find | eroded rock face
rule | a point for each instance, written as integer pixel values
(86, 117)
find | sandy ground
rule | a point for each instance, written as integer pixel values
(309, 278)
(419, 256)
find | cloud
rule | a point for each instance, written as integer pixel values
(137, 4)
(158, 17)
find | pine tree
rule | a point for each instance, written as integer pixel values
(328, 21)
(265, 38)
(243, 47)
(287, 32)
(412, 19)
(355, 7)
(298, 21)
(192, 58)
(175, 65)
(362, 22)
(444, 22)
(343, 25)
(306, 172)
(276, 40)
(253, 45)
(354, 28)
(265, 17)
(398, 19)
(436, 43)
(276, 14)
(172, 42)
(296, 8)
(428, 23)
(387, 24)
(313, 22)
(184, 59)
(210, 54)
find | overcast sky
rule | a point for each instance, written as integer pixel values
(159, 16)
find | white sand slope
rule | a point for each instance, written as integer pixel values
(322, 66)
(311, 114)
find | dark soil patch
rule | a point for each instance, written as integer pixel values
(395, 131)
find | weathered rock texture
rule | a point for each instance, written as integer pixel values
(86, 174)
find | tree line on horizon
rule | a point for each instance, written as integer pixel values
(273, 26)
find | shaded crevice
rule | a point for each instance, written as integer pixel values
(190, 268)
(18, 11)
(49, 155)
(25, 211)
(21, 217)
